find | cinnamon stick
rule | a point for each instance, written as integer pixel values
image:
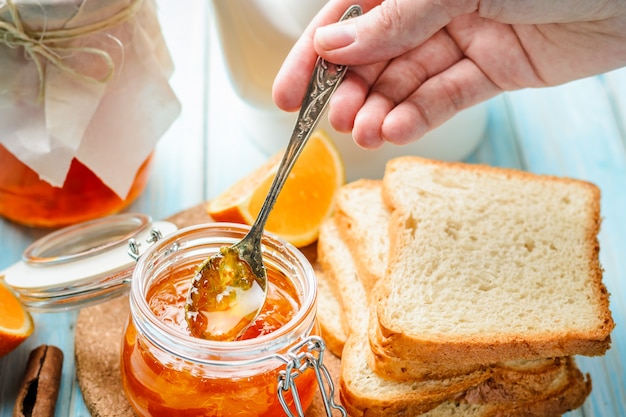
(39, 390)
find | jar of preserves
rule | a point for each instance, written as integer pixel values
(271, 370)
(84, 98)
(27, 199)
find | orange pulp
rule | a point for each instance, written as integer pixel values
(16, 324)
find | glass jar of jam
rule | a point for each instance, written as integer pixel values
(168, 372)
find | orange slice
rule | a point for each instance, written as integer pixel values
(15, 322)
(306, 199)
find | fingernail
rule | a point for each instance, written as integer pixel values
(336, 36)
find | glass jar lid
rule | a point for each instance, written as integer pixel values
(83, 264)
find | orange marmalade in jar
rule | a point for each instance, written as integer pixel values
(29, 200)
(168, 372)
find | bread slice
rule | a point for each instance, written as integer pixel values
(361, 395)
(329, 313)
(339, 269)
(488, 265)
(335, 259)
(363, 220)
(414, 370)
(569, 396)
(365, 393)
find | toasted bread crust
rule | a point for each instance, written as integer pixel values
(391, 341)
(551, 390)
(363, 218)
(329, 314)
(339, 267)
(398, 357)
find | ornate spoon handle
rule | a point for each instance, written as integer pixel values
(324, 81)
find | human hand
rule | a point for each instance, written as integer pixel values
(416, 63)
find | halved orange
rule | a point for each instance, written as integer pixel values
(306, 199)
(16, 323)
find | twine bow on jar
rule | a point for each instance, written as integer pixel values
(49, 46)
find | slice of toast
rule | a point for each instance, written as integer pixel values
(335, 259)
(329, 313)
(486, 394)
(570, 396)
(363, 220)
(365, 393)
(487, 265)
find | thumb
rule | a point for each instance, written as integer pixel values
(387, 30)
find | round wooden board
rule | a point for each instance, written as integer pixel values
(98, 342)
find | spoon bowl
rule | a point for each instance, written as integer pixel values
(229, 289)
(229, 294)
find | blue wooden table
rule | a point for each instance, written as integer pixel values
(576, 130)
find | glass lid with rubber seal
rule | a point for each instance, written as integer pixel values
(84, 263)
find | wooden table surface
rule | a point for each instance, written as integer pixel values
(576, 130)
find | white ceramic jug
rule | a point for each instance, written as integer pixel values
(256, 35)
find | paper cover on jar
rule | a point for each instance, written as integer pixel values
(85, 79)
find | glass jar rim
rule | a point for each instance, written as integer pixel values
(223, 353)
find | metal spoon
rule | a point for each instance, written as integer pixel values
(229, 289)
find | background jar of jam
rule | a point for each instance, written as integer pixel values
(29, 200)
(84, 99)
(168, 372)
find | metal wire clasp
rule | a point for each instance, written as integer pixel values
(307, 354)
(133, 245)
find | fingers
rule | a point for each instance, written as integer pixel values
(373, 90)
(351, 95)
(414, 93)
(387, 30)
(292, 78)
(436, 101)
(398, 81)
(347, 101)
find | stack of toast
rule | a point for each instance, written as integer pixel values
(463, 290)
